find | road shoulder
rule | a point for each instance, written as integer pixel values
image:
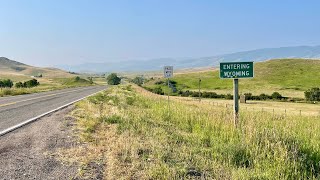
(30, 152)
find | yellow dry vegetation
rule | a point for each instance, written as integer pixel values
(130, 134)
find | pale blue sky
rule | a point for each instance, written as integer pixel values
(49, 32)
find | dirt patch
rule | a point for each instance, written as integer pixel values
(29, 152)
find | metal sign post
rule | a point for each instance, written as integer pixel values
(236, 101)
(236, 70)
(168, 73)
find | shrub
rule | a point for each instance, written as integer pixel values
(6, 83)
(263, 96)
(185, 93)
(312, 94)
(158, 90)
(159, 83)
(171, 82)
(19, 85)
(195, 94)
(28, 84)
(229, 96)
(113, 79)
(248, 96)
(31, 83)
(276, 95)
(137, 80)
(206, 95)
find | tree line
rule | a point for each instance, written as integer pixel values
(27, 84)
(8, 83)
(311, 95)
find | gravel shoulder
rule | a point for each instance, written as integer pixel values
(28, 152)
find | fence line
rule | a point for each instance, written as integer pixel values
(226, 105)
(273, 111)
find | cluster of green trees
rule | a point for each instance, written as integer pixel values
(27, 84)
(274, 95)
(166, 82)
(249, 96)
(157, 90)
(312, 94)
(77, 78)
(113, 79)
(137, 80)
(205, 94)
(7, 83)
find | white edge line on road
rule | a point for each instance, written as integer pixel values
(42, 115)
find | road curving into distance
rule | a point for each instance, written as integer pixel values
(15, 111)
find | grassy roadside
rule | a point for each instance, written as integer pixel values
(130, 133)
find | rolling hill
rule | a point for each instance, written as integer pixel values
(18, 71)
(52, 78)
(290, 77)
(310, 52)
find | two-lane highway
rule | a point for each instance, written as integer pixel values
(18, 109)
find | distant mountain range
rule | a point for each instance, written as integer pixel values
(311, 52)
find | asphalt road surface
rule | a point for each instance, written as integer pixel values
(17, 109)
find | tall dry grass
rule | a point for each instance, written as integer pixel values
(134, 135)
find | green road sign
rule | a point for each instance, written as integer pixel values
(236, 70)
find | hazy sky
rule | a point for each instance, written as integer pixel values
(49, 32)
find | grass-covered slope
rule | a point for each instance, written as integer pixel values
(131, 133)
(76, 81)
(289, 76)
(52, 78)
(10, 69)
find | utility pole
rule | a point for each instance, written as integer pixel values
(199, 90)
(168, 97)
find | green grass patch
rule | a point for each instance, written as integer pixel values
(75, 81)
(290, 77)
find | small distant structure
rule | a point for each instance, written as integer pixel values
(243, 99)
(39, 75)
